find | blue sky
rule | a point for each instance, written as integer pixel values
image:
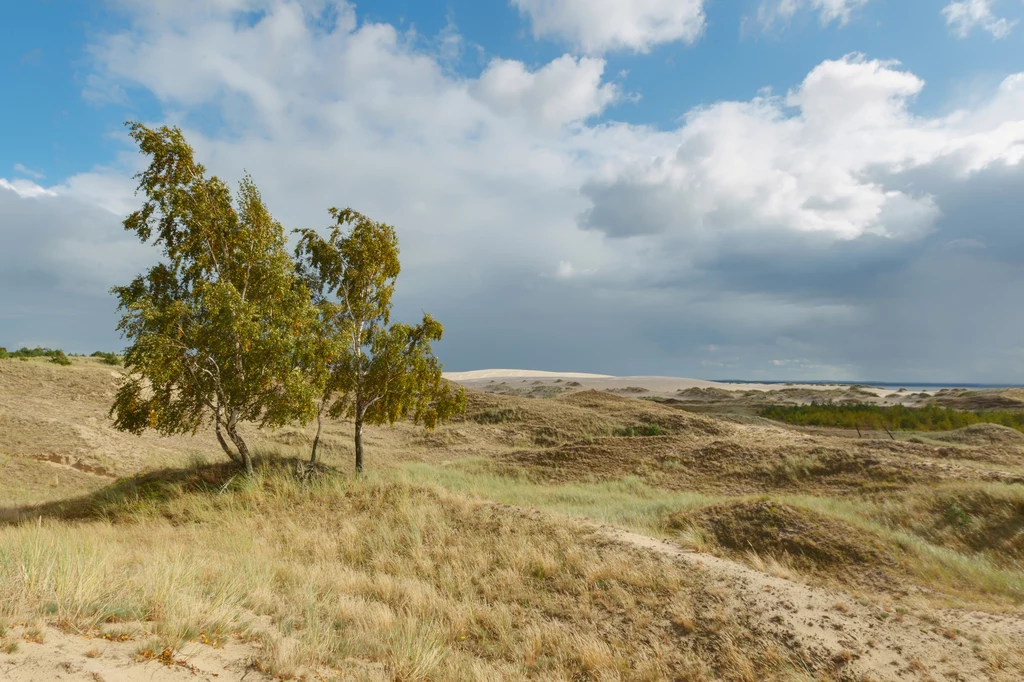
(764, 188)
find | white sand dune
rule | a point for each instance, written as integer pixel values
(654, 385)
(519, 374)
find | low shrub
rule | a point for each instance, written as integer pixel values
(59, 358)
(107, 358)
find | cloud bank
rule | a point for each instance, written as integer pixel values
(825, 232)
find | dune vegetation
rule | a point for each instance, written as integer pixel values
(488, 548)
(892, 417)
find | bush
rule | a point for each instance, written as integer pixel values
(643, 430)
(894, 418)
(107, 358)
(59, 358)
(56, 356)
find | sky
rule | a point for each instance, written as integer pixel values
(759, 189)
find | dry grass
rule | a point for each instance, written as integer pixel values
(415, 573)
(429, 585)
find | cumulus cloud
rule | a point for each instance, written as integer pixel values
(563, 91)
(964, 16)
(597, 26)
(773, 12)
(810, 225)
(804, 163)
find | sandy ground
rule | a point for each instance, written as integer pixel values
(51, 654)
(653, 385)
(866, 639)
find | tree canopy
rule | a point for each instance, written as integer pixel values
(362, 367)
(214, 327)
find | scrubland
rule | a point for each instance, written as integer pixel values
(577, 535)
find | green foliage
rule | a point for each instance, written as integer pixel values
(215, 326)
(642, 430)
(37, 352)
(894, 417)
(107, 358)
(59, 358)
(362, 367)
(955, 514)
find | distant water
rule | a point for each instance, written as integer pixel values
(912, 387)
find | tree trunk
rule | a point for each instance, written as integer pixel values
(223, 443)
(359, 443)
(243, 449)
(316, 438)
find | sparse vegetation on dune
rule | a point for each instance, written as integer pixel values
(425, 584)
(56, 355)
(434, 567)
(895, 417)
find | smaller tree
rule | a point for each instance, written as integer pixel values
(362, 368)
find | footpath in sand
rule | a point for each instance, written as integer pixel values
(832, 628)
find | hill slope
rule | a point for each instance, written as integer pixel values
(455, 558)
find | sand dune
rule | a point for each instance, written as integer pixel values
(519, 374)
(655, 385)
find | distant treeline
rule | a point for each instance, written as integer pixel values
(895, 417)
(56, 355)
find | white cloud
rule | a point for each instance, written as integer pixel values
(562, 91)
(35, 175)
(810, 162)
(773, 12)
(25, 189)
(964, 16)
(597, 26)
(564, 270)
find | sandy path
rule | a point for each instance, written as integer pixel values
(834, 629)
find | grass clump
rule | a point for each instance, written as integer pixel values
(641, 430)
(499, 415)
(973, 518)
(812, 541)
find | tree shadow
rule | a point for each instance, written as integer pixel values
(119, 499)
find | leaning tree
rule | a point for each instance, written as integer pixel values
(361, 366)
(215, 327)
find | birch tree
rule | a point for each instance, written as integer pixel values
(363, 367)
(215, 326)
